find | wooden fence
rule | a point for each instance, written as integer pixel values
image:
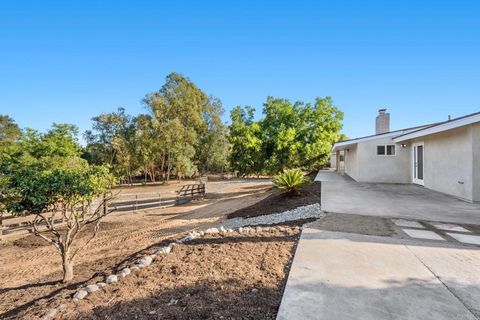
(126, 202)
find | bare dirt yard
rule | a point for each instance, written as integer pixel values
(223, 276)
(31, 271)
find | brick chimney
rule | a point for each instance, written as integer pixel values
(382, 122)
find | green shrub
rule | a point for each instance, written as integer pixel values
(290, 181)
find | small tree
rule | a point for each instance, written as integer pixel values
(79, 195)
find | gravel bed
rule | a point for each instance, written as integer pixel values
(305, 212)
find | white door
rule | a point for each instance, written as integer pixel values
(418, 163)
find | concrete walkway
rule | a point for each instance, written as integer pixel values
(338, 276)
(341, 194)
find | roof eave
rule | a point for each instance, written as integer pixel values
(453, 124)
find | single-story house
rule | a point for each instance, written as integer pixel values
(443, 156)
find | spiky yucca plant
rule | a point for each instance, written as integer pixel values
(290, 181)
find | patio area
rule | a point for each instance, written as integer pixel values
(341, 194)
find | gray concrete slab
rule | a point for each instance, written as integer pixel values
(465, 238)
(458, 268)
(393, 200)
(423, 234)
(329, 175)
(450, 227)
(338, 276)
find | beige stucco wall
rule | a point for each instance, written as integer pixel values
(364, 165)
(382, 169)
(448, 162)
(451, 162)
(351, 162)
(476, 161)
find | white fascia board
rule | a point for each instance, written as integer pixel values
(341, 145)
(439, 128)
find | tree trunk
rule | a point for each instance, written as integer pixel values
(67, 265)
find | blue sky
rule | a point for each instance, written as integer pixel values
(68, 61)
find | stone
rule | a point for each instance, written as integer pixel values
(147, 260)
(300, 213)
(91, 288)
(125, 272)
(211, 231)
(266, 229)
(229, 230)
(202, 233)
(111, 279)
(80, 294)
(240, 230)
(101, 285)
(164, 250)
(254, 290)
(191, 236)
(222, 229)
(134, 268)
(258, 229)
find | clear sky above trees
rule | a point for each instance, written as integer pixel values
(65, 62)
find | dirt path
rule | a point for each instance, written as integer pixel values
(32, 267)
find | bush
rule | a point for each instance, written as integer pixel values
(290, 181)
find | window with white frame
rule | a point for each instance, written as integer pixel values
(386, 150)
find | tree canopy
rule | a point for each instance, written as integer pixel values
(289, 136)
(181, 134)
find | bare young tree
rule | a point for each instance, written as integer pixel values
(78, 216)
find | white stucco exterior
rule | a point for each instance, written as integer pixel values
(451, 158)
(476, 162)
(370, 167)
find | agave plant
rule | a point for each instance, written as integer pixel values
(290, 181)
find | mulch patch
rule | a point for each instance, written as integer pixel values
(280, 202)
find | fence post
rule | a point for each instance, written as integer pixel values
(159, 199)
(105, 204)
(136, 202)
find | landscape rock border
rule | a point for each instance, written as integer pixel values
(239, 225)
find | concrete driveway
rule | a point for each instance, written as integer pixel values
(386, 252)
(343, 195)
(338, 276)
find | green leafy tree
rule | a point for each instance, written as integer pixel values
(280, 134)
(9, 130)
(288, 136)
(9, 134)
(246, 155)
(146, 145)
(178, 108)
(76, 194)
(213, 146)
(112, 142)
(45, 176)
(320, 130)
